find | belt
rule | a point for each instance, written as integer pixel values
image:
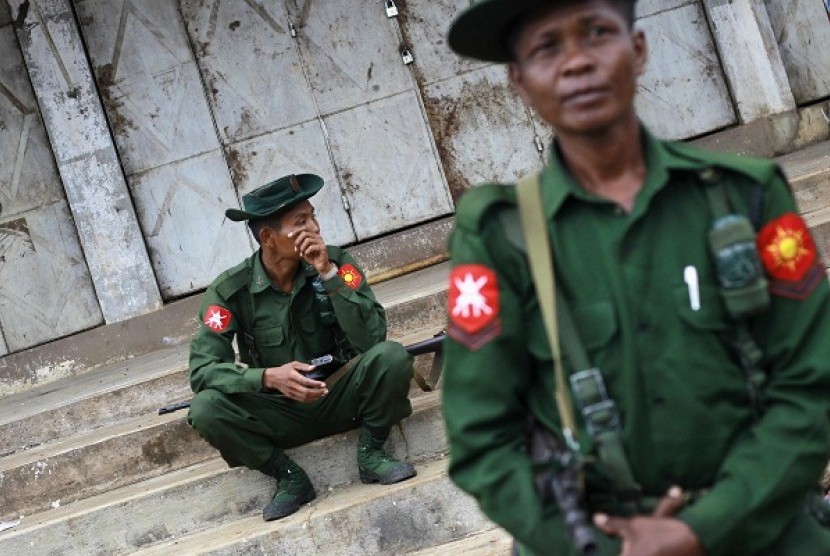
(338, 374)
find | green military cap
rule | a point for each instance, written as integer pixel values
(275, 196)
(481, 30)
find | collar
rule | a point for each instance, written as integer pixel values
(661, 160)
(260, 281)
(259, 278)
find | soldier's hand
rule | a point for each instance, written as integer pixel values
(290, 380)
(659, 534)
(670, 504)
(310, 246)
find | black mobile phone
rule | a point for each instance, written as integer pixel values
(323, 367)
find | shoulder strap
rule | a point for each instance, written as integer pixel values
(541, 267)
(233, 282)
(245, 332)
(599, 411)
(732, 245)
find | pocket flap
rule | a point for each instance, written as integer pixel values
(272, 336)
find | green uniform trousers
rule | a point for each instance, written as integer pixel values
(246, 427)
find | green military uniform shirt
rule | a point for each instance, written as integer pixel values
(686, 413)
(285, 327)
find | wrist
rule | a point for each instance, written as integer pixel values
(330, 273)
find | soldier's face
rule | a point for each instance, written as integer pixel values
(577, 66)
(300, 217)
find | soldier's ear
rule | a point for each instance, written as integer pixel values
(640, 51)
(514, 74)
(266, 234)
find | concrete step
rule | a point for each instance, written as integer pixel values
(93, 400)
(139, 385)
(808, 171)
(179, 504)
(489, 542)
(125, 453)
(132, 389)
(205, 495)
(418, 513)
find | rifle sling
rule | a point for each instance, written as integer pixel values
(599, 411)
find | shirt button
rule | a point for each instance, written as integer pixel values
(658, 401)
(643, 326)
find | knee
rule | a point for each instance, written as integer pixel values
(203, 409)
(392, 358)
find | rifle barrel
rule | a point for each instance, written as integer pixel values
(431, 345)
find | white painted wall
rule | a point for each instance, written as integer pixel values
(207, 99)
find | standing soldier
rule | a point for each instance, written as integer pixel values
(693, 308)
(294, 300)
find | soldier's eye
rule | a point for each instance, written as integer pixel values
(544, 47)
(598, 31)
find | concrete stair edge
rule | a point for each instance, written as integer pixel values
(128, 453)
(487, 542)
(414, 514)
(93, 398)
(72, 407)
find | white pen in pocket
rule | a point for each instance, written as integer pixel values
(690, 277)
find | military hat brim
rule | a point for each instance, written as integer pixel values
(480, 31)
(273, 198)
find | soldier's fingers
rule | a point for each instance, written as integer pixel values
(311, 394)
(670, 504)
(308, 246)
(302, 367)
(312, 384)
(304, 235)
(308, 383)
(615, 526)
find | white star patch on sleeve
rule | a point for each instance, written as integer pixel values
(217, 318)
(473, 305)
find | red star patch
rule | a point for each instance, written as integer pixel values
(473, 305)
(789, 256)
(217, 318)
(351, 276)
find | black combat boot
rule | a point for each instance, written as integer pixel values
(293, 487)
(374, 464)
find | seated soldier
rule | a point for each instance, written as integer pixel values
(294, 300)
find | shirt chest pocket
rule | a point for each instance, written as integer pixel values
(699, 344)
(699, 337)
(272, 344)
